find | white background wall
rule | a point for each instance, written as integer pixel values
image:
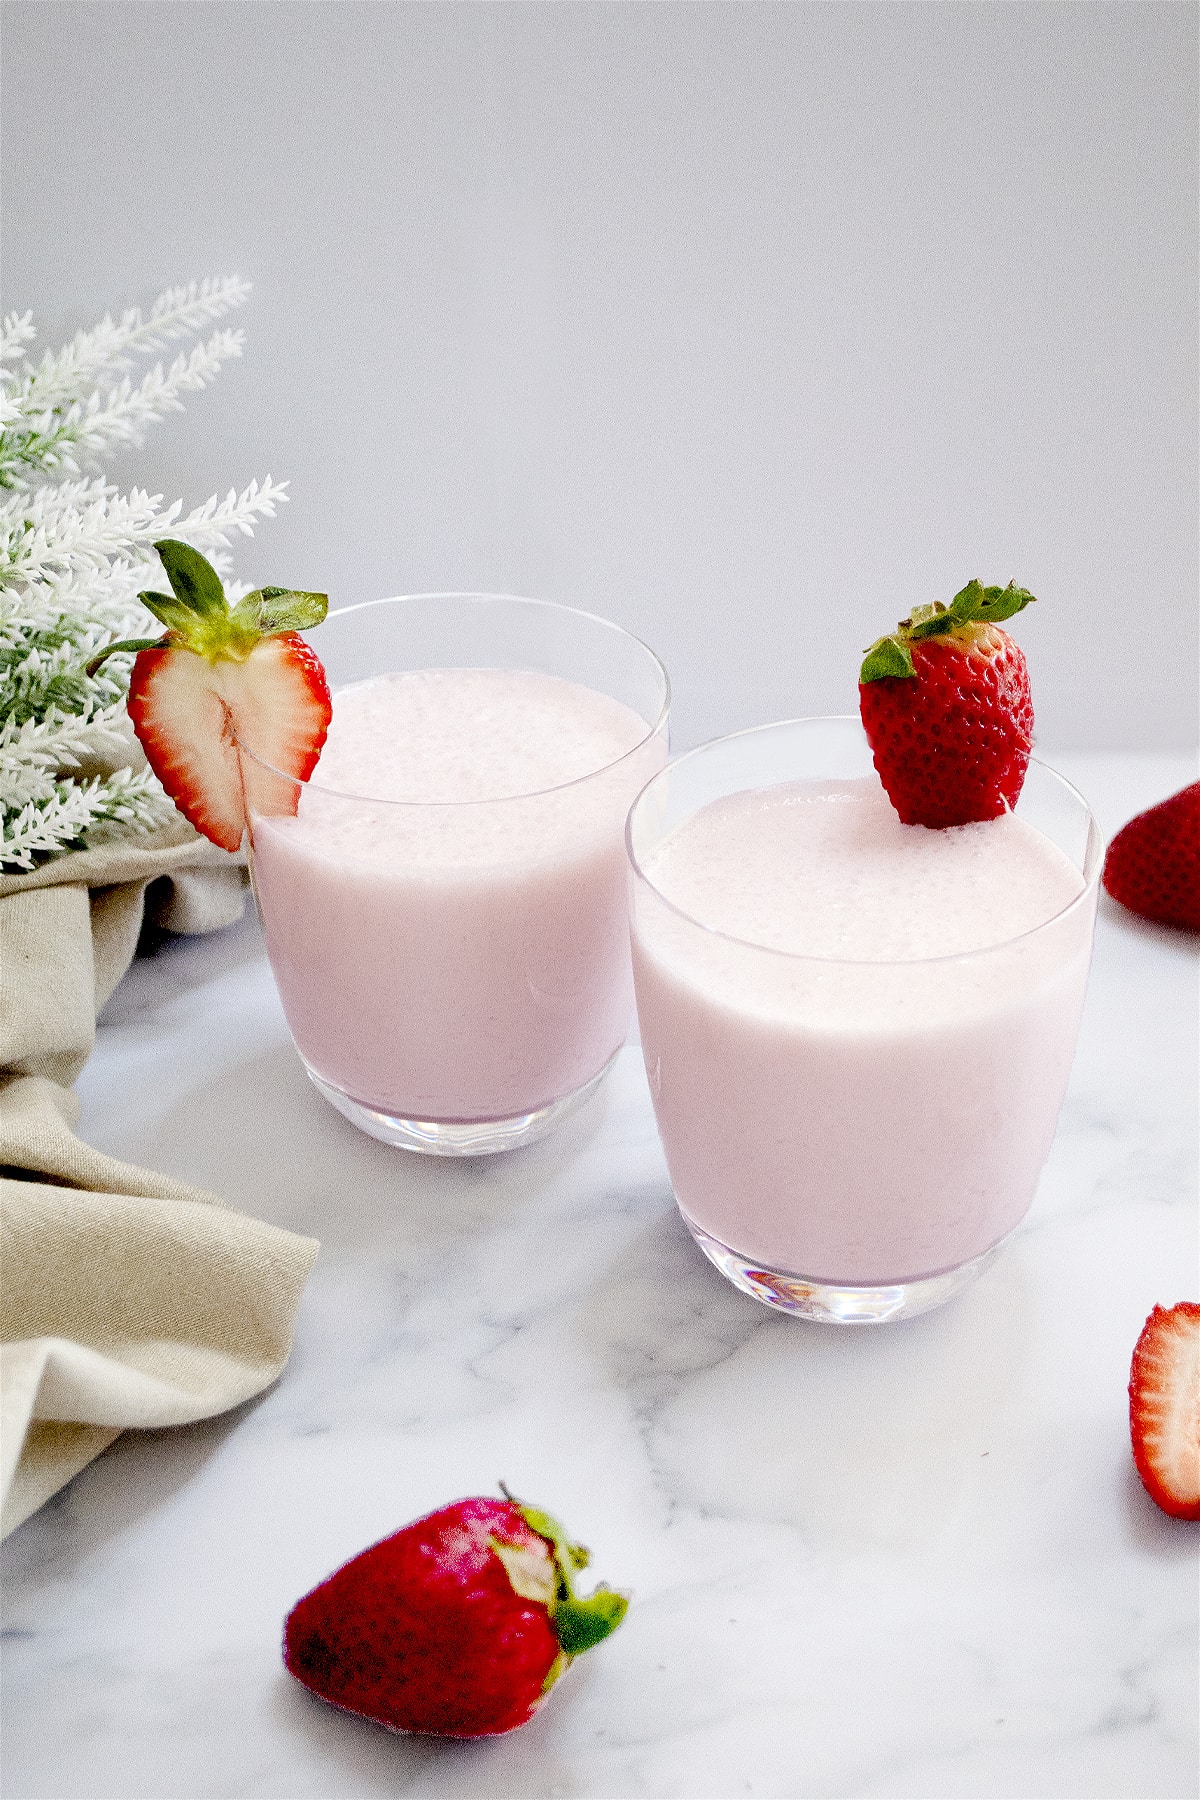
(749, 326)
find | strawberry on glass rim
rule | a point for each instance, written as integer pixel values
(222, 677)
(945, 704)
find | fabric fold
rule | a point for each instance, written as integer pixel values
(127, 1298)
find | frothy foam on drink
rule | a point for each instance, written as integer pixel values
(827, 869)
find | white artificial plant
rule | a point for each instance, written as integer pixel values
(74, 554)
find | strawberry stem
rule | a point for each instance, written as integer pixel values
(890, 657)
(580, 1624)
(124, 644)
(198, 617)
(887, 656)
(580, 1621)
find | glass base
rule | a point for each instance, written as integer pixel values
(457, 1137)
(838, 1302)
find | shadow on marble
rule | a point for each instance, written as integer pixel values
(1164, 937)
(1153, 1531)
(364, 1758)
(139, 1473)
(167, 965)
(382, 1761)
(287, 1156)
(661, 1313)
(868, 1436)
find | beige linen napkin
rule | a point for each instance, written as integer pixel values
(126, 1298)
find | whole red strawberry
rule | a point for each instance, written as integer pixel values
(1153, 863)
(458, 1625)
(1164, 1408)
(222, 677)
(945, 705)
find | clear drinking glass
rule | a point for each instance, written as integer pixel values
(455, 974)
(850, 1141)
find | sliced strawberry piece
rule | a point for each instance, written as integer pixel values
(1153, 863)
(191, 714)
(946, 708)
(222, 678)
(1164, 1408)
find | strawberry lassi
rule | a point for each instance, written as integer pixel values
(445, 911)
(857, 1033)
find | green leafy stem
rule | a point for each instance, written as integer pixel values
(580, 1621)
(973, 605)
(198, 616)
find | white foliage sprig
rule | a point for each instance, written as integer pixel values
(16, 330)
(110, 347)
(75, 553)
(73, 434)
(81, 815)
(83, 526)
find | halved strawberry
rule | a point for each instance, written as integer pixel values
(1164, 1408)
(223, 677)
(1153, 863)
(946, 708)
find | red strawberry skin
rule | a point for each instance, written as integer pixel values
(952, 745)
(424, 1632)
(1153, 863)
(1164, 1408)
(190, 712)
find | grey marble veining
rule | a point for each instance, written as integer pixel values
(913, 1561)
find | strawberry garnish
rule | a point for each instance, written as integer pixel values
(222, 677)
(458, 1625)
(946, 708)
(1153, 863)
(1164, 1408)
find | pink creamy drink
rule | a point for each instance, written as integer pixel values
(445, 914)
(857, 1033)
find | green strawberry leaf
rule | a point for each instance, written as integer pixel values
(115, 649)
(988, 605)
(921, 615)
(1002, 602)
(888, 656)
(582, 1623)
(938, 621)
(193, 579)
(172, 612)
(271, 610)
(579, 1623)
(966, 603)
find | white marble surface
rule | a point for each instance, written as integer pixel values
(912, 1561)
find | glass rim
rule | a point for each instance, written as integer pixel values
(342, 612)
(1090, 881)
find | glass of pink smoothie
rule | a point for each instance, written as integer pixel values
(444, 897)
(857, 1033)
